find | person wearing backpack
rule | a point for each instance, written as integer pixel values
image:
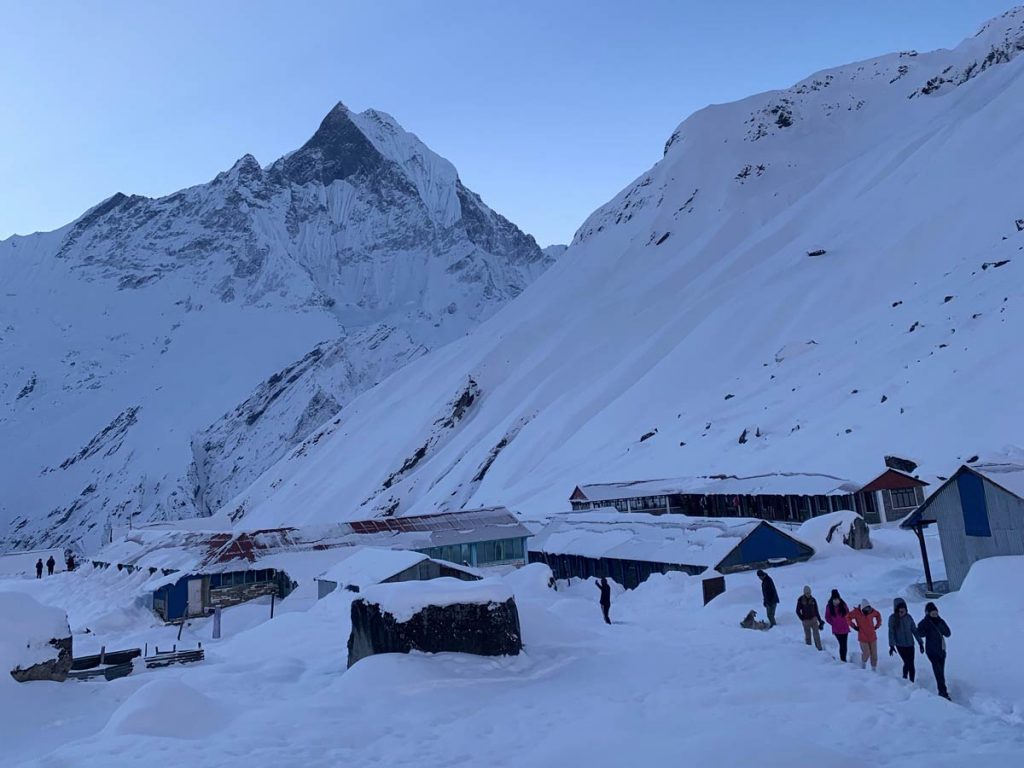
(866, 620)
(934, 630)
(902, 634)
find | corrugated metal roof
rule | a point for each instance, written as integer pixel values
(192, 551)
(1007, 475)
(769, 484)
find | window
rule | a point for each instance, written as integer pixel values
(903, 498)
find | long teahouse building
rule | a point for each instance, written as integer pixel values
(782, 496)
(629, 548)
(192, 572)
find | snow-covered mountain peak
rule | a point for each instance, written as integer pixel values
(185, 343)
(804, 282)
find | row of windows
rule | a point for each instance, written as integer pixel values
(481, 553)
(240, 578)
(904, 498)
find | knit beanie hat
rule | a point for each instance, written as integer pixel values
(865, 604)
(835, 595)
(930, 607)
(807, 591)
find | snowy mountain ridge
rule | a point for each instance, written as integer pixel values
(808, 280)
(133, 341)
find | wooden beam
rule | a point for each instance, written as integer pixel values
(919, 530)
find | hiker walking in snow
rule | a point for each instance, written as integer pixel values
(866, 620)
(39, 568)
(49, 566)
(902, 634)
(606, 599)
(769, 595)
(807, 612)
(934, 631)
(71, 562)
(836, 613)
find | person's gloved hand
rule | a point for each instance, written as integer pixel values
(892, 650)
(821, 625)
(921, 646)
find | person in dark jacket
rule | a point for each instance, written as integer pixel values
(606, 599)
(71, 562)
(39, 568)
(807, 612)
(902, 634)
(49, 566)
(934, 630)
(769, 595)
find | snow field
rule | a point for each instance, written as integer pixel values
(670, 680)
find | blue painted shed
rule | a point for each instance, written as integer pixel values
(979, 512)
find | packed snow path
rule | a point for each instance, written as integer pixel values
(668, 680)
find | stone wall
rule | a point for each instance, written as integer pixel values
(55, 669)
(485, 629)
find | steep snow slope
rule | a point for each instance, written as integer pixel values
(133, 342)
(808, 279)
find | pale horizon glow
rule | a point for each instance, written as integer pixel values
(546, 109)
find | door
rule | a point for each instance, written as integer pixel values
(195, 597)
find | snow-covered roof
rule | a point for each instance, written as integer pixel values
(192, 551)
(1006, 475)
(405, 599)
(769, 484)
(368, 565)
(672, 539)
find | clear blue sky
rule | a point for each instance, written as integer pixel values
(546, 107)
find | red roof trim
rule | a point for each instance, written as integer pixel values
(892, 480)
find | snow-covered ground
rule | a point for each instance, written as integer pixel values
(669, 681)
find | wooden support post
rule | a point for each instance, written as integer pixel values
(272, 596)
(919, 530)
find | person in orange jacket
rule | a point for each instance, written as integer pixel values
(866, 620)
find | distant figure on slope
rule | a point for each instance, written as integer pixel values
(935, 630)
(606, 599)
(49, 566)
(836, 615)
(71, 562)
(770, 596)
(807, 612)
(902, 634)
(39, 568)
(866, 620)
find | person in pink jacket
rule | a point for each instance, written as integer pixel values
(866, 620)
(836, 613)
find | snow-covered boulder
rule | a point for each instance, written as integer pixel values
(834, 530)
(441, 615)
(35, 639)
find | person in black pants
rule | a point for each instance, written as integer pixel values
(935, 630)
(39, 568)
(770, 596)
(902, 636)
(606, 599)
(49, 566)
